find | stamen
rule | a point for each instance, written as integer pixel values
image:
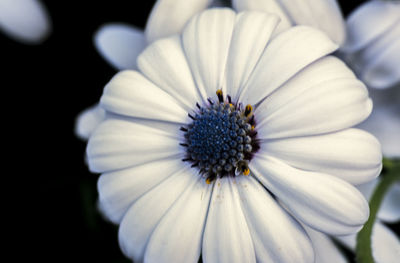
(248, 110)
(220, 96)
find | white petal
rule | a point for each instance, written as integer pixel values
(25, 20)
(368, 22)
(323, 202)
(250, 36)
(206, 40)
(119, 189)
(144, 215)
(325, 250)
(118, 144)
(268, 6)
(283, 57)
(164, 63)
(178, 237)
(324, 15)
(168, 17)
(277, 237)
(389, 210)
(380, 60)
(88, 120)
(326, 107)
(227, 237)
(129, 93)
(385, 244)
(120, 44)
(352, 155)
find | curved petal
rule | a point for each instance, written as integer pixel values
(326, 107)
(144, 215)
(119, 189)
(120, 44)
(284, 56)
(168, 17)
(352, 155)
(118, 144)
(251, 34)
(323, 202)
(227, 237)
(267, 6)
(164, 63)
(26, 21)
(129, 93)
(178, 236)
(325, 250)
(277, 236)
(88, 120)
(368, 22)
(206, 39)
(385, 244)
(324, 15)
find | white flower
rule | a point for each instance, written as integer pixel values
(26, 21)
(120, 44)
(373, 43)
(301, 103)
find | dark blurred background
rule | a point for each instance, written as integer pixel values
(53, 196)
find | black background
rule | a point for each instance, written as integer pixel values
(52, 196)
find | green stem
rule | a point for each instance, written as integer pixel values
(363, 247)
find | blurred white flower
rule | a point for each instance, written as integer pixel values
(177, 184)
(26, 21)
(373, 43)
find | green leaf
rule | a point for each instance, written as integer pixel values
(392, 174)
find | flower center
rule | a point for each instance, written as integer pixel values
(221, 139)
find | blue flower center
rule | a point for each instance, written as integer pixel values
(221, 139)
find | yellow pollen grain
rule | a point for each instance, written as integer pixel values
(219, 92)
(246, 171)
(208, 181)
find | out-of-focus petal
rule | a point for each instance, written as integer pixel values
(26, 21)
(88, 120)
(168, 17)
(120, 44)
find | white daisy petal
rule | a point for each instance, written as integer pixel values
(324, 15)
(144, 215)
(286, 55)
(227, 237)
(277, 237)
(120, 44)
(268, 6)
(323, 202)
(368, 22)
(25, 20)
(380, 61)
(168, 17)
(88, 120)
(178, 236)
(119, 189)
(206, 40)
(385, 244)
(118, 144)
(325, 250)
(164, 62)
(325, 107)
(130, 93)
(250, 36)
(352, 155)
